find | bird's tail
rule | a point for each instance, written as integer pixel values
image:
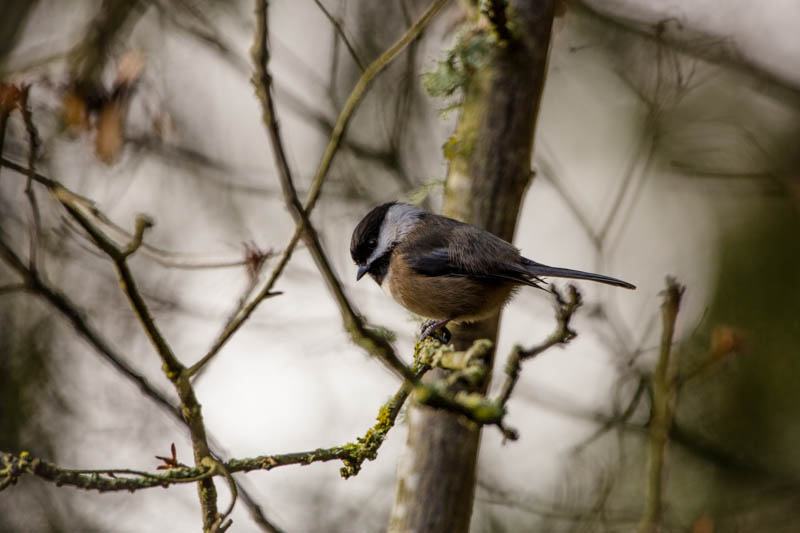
(538, 269)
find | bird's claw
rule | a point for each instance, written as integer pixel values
(436, 329)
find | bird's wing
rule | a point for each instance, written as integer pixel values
(462, 250)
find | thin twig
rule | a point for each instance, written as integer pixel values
(163, 257)
(33, 153)
(663, 403)
(565, 309)
(12, 288)
(357, 93)
(313, 194)
(173, 368)
(35, 284)
(352, 455)
(256, 513)
(340, 30)
(368, 339)
(646, 139)
(547, 167)
(617, 420)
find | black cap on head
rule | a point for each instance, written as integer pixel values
(365, 236)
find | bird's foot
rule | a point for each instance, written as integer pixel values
(437, 330)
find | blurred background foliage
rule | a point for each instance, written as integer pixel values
(652, 159)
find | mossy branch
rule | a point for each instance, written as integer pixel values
(352, 455)
(470, 367)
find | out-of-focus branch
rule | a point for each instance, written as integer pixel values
(166, 258)
(33, 283)
(181, 13)
(33, 153)
(174, 369)
(119, 256)
(12, 288)
(360, 334)
(714, 48)
(620, 420)
(257, 514)
(546, 166)
(113, 18)
(340, 30)
(565, 309)
(363, 83)
(366, 338)
(16, 97)
(352, 455)
(663, 405)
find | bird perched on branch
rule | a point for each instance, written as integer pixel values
(443, 269)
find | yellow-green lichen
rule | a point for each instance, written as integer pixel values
(467, 56)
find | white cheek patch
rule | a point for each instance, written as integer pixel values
(386, 285)
(399, 220)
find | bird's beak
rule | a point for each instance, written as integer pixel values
(361, 271)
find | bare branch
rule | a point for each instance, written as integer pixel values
(367, 338)
(713, 48)
(163, 257)
(256, 513)
(340, 30)
(361, 335)
(12, 288)
(173, 369)
(547, 168)
(663, 407)
(352, 455)
(375, 68)
(618, 420)
(35, 284)
(565, 309)
(33, 153)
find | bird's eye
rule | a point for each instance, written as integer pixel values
(372, 243)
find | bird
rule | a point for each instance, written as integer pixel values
(446, 270)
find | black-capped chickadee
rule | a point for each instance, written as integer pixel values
(443, 269)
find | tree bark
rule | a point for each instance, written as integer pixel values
(489, 171)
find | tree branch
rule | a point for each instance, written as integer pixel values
(33, 283)
(173, 369)
(662, 408)
(33, 153)
(163, 257)
(352, 455)
(375, 68)
(128, 284)
(340, 30)
(366, 338)
(565, 309)
(361, 335)
(713, 48)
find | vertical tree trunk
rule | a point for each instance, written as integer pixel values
(489, 171)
